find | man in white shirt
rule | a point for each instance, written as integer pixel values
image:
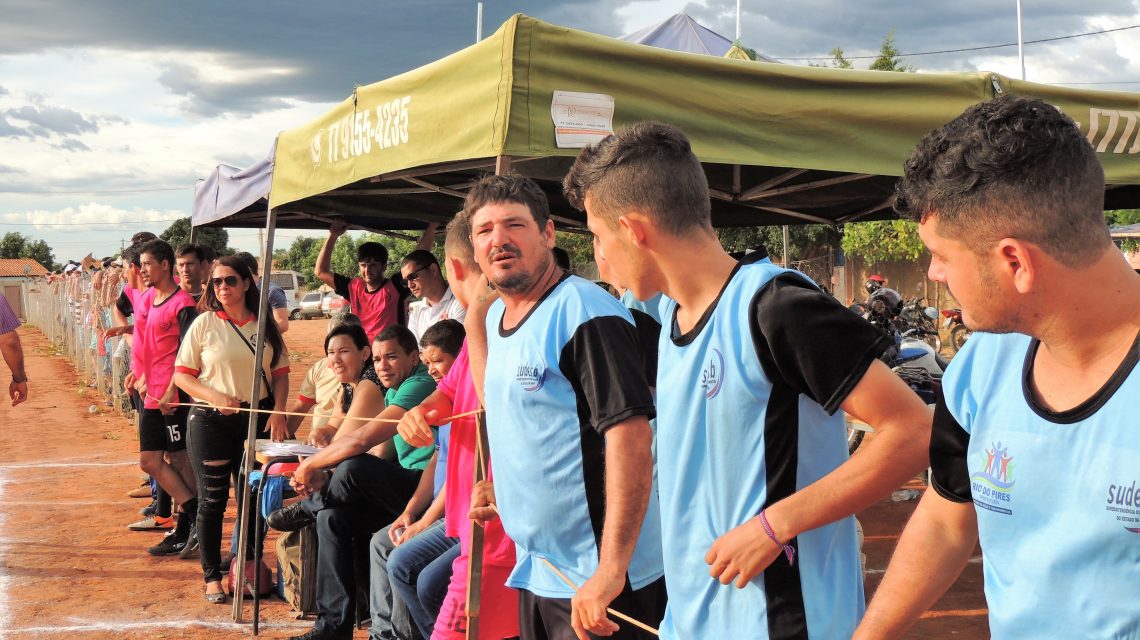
(421, 272)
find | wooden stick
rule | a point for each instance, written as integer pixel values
(616, 614)
(203, 405)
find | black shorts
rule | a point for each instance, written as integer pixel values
(160, 432)
(549, 618)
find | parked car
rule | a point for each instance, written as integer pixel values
(333, 304)
(311, 305)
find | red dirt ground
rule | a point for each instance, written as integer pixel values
(69, 567)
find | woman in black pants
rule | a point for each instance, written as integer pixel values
(215, 366)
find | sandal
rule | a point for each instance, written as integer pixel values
(216, 598)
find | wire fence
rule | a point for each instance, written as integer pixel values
(74, 314)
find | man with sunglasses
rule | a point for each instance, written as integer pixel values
(420, 271)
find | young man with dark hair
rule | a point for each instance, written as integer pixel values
(755, 362)
(278, 303)
(163, 316)
(456, 395)
(364, 492)
(1034, 450)
(568, 408)
(189, 263)
(421, 272)
(374, 298)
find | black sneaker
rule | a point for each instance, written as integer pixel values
(171, 545)
(323, 634)
(190, 549)
(290, 518)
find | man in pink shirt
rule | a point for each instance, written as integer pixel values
(455, 394)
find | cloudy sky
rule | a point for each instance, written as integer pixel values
(109, 111)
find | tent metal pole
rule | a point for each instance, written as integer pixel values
(786, 261)
(193, 235)
(1020, 42)
(251, 430)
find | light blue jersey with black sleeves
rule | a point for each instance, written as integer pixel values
(1056, 493)
(570, 370)
(747, 415)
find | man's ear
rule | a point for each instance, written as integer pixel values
(548, 232)
(455, 268)
(635, 227)
(1016, 259)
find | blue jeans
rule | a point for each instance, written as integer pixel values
(420, 572)
(390, 617)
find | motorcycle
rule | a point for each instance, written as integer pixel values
(922, 319)
(918, 365)
(959, 332)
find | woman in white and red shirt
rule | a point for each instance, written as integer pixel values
(215, 366)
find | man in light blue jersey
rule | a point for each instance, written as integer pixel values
(755, 362)
(568, 404)
(1035, 451)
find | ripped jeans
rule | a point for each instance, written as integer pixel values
(216, 445)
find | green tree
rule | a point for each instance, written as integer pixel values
(300, 256)
(888, 59)
(1123, 218)
(17, 245)
(837, 60)
(178, 233)
(883, 241)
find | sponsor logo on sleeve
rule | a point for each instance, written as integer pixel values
(712, 376)
(992, 484)
(1124, 502)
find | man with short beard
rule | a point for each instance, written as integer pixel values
(568, 408)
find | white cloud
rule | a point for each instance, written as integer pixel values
(91, 216)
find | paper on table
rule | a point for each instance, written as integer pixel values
(581, 119)
(282, 449)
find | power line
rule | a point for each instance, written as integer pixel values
(53, 192)
(981, 48)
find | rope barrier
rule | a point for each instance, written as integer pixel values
(203, 405)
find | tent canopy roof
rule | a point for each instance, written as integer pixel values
(779, 143)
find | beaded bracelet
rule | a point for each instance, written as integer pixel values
(789, 550)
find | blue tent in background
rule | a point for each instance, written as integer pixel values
(682, 33)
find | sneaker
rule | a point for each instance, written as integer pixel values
(150, 509)
(190, 549)
(152, 523)
(171, 545)
(141, 491)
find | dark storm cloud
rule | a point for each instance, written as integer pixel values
(47, 120)
(330, 46)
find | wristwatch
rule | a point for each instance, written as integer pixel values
(19, 380)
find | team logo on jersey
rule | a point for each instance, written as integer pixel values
(531, 376)
(992, 485)
(1124, 502)
(712, 376)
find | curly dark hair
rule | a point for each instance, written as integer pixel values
(1011, 167)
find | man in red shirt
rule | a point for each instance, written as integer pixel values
(372, 296)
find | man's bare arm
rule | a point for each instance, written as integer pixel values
(629, 481)
(323, 268)
(933, 549)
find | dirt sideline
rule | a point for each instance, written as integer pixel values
(69, 567)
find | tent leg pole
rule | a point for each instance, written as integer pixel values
(193, 235)
(502, 165)
(251, 430)
(786, 261)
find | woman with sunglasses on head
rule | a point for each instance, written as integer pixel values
(215, 366)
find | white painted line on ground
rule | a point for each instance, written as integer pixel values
(57, 465)
(61, 503)
(5, 579)
(82, 626)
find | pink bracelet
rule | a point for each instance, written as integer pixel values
(789, 550)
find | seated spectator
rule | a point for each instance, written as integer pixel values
(364, 492)
(411, 558)
(320, 389)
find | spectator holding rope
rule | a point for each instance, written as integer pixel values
(215, 365)
(13, 353)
